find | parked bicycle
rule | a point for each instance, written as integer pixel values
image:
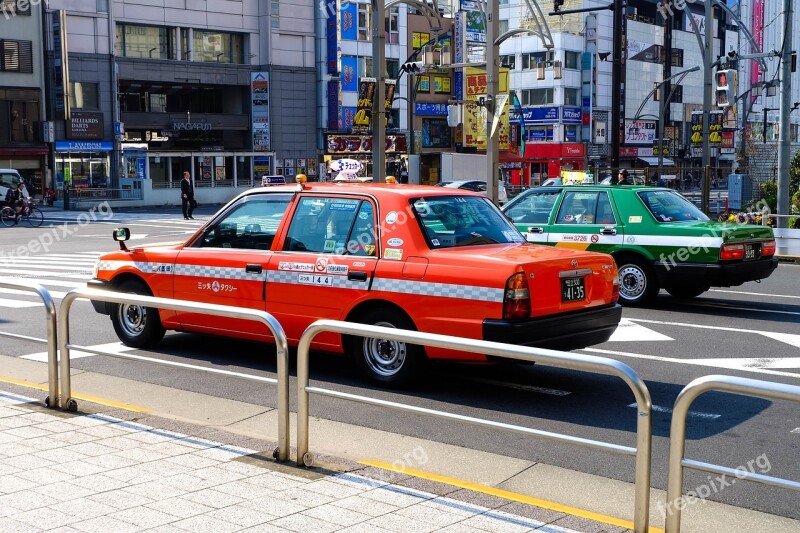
(30, 213)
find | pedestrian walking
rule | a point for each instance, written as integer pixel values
(187, 196)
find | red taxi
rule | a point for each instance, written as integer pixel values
(414, 257)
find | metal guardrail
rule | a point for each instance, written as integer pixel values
(677, 437)
(66, 402)
(52, 335)
(600, 365)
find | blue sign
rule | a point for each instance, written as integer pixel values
(349, 17)
(84, 146)
(119, 128)
(331, 41)
(140, 168)
(458, 80)
(539, 134)
(570, 134)
(571, 115)
(430, 110)
(350, 73)
(333, 105)
(541, 115)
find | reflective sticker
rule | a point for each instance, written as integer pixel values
(162, 268)
(359, 264)
(302, 267)
(631, 239)
(435, 242)
(321, 265)
(337, 269)
(329, 246)
(634, 219)
(595, 238)
(395, 241)
(391, 217)
(393, 253)
(314, 279)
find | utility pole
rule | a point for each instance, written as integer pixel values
(492, 88)
(618, 83)
(785, 110)
(707, 95)
(379, 106)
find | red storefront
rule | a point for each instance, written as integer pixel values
(541, 161)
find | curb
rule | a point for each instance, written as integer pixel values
(788, 259)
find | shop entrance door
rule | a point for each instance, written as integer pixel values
(538, 173)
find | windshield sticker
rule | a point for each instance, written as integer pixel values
(634, 219)
(394, 241)
(302, 267)
(329, 245)
(313, 279)
(337, 269)
(435, 242)
(393, 253)
(510, 235)
(321, 265)
(342, 207)
(391, 217)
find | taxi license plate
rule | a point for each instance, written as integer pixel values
(573, 289)
(752, 251)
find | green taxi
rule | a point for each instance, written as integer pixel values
(658, 238)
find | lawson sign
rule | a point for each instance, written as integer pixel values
(551, 115)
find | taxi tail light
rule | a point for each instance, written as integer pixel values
(517, 299)
(768, 248)
(731, 251)
(615, 289)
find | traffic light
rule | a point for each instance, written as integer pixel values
(413, 67)
(725, 81)
(557, 5)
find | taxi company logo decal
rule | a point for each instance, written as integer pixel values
(302, 267)
(394, 241)
(595, 238)
(576, 238)
(321, 265)
(215, 286)
(391, 217)
(337, 269)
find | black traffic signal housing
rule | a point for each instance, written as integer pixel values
(557, 5)
(413, 67)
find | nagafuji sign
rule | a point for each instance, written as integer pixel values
(191, 126)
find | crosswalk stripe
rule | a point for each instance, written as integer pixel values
(72, 268)
(113, 347)
(53, 294)
(17, 304)
(56, 282)
(27, 272)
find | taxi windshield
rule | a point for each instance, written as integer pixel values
(450, 221)
(669, 206)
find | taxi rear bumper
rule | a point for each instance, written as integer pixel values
(716, 274)
(567, 331)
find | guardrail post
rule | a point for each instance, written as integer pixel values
(677, 436)
(52, 337)
(281, 345)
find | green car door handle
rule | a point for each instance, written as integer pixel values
(535, 230)
(608, 231)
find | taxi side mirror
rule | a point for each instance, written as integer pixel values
(121, 235)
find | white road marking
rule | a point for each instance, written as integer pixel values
(18, 304)
(737, 308)
(51, 266)
(628, 331)
(756, 362)
(114, 347)
(56, 282)
(22, 273)
(693, 362)
(519, 386)
(788, 338)
(756, 293)
(795, 430)
(53, 294)
(694, 414)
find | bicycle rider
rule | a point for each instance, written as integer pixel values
(16, 200)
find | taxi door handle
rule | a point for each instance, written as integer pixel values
(357, 276)
(535, 230)
(608, 231)
(253, 269)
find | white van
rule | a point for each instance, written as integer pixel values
(9, 178)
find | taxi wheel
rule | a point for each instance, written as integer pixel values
(135, 325)
(686, 292)
(383, 361)
(637, 282)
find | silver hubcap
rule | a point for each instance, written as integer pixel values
(632, 282)
(132, 318)
(384, 357)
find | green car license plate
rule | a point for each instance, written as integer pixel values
(573, 289)
(752, 251)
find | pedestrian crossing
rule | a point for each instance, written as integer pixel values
(58, 273)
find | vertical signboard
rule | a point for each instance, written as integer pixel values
(366, 94)
(259, 93)
(391, 87)
(333, 104)
(458, 54)
(332, 40)
(475, 115)
(475, 21)
(60, 63)
(758, 37)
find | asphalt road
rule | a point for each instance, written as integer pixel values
(750, 331)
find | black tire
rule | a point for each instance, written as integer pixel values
(387, 362)
(7, 216)
(638, 285)
(35, 217)
(686, 292)
(136, 326)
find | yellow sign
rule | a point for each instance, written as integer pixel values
(475, 116)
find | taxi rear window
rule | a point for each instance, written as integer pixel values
(669, 206)
(450, 221)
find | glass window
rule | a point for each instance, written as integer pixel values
(677, 57)
(23, 116)
(217, 46)
(463, 221)
(669, 206)
(536, 96)
(571, 59)
(578, 207)
(84, 95)
(364, 67)
(392, 68)
(143, 41)
(343, 226)
(435, 133)
(530, 60)
(533, 208)
(251, 225)
(393, 26)
(503, 26)
(364, 27)
(158, 103)
(509, 61)
(572, 97)
(16, 56)
(605, 214)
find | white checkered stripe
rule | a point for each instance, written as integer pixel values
(202, 271)
(291, 278)
(142, 266)
(442, 290)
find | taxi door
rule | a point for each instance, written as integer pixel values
(325, 264)
(586, 220)
(531, 215)
(227, 263)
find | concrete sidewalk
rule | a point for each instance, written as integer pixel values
(106, 469)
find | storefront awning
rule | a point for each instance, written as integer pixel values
(653, 161)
